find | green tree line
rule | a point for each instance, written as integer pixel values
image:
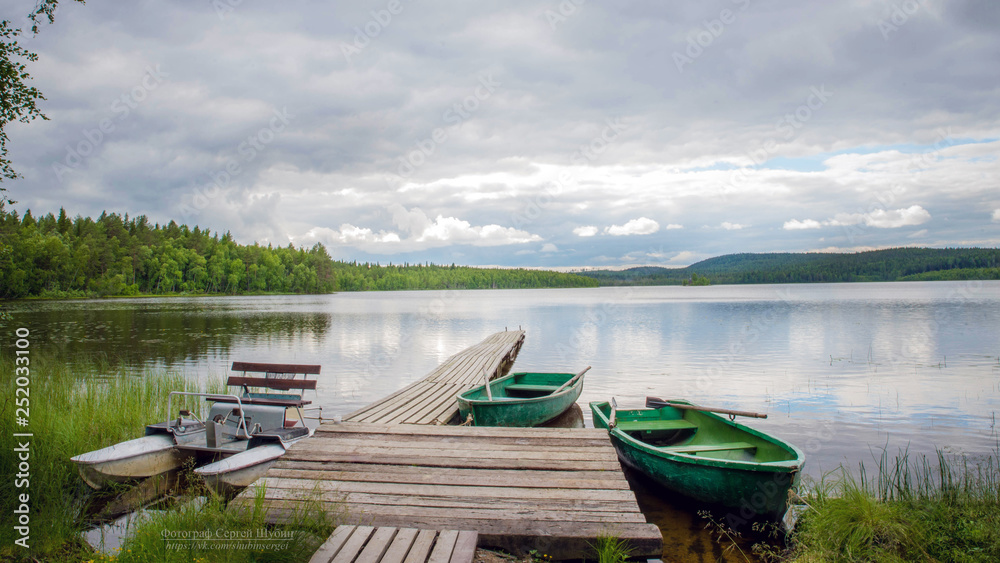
(55, 256)
(893, 264)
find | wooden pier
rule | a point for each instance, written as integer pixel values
(432, 399)
(554, 490)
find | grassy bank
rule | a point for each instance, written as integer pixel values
(906, 509)
(229, 536)
(87, 405)
(74, 408)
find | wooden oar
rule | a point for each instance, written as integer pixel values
(655, 403)
(489, 392)
(570, 382)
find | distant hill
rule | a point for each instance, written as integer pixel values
(893, 264)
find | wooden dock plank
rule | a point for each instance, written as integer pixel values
(400, 545)
(333, 544)
(443, 547)
(308, 486)
(353, 544)
(465, 547)
(421, 547)
(377, 545)
(454, 476)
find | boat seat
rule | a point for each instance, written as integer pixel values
(655, 424)
(529, 388)
(257, 401)
(698, 448)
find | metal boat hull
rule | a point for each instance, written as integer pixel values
(128, 461)
(240, 470)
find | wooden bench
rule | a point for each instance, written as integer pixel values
(368, 544)
(699, 448)
(272, 376)
(655, 424)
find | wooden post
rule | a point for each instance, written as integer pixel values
(489, 392)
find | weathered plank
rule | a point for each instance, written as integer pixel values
(333, 544)
(490, 451)
(377, 545)
(400, 545)
(465, 547)
(483, 463)
(308, 486)
(449, 476)
(353, 544)
(443, 547)
(421, 547)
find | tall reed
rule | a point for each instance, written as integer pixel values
(75, 407)
(908, 509)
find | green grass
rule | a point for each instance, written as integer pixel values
(610, 549)
(230, 536)
(906, 510)
(74, 408)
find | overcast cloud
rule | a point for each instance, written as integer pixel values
(525, 133)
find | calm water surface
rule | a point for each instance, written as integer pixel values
(842, 370)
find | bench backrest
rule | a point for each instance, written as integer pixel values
(271, 371)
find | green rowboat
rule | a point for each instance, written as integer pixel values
(705, 456)
(521, 399)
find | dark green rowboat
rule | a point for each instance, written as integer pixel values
(521, 399)
(705, 456)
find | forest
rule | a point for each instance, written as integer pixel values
(57, 257)
(893, 264)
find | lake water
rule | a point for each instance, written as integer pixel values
(842, 370)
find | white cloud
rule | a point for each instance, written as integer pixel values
(917, 234)
(996, 215)
(640, 226)
(733, 226)
(454, 230)
(672, 226)
(347, 235)
(795, 224)
(587, 231)
(549, 247)
(883, 218)
(684, 257)
(878, 218)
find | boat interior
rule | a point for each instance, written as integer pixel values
(695, 433)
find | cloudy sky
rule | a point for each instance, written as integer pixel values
(553, 133)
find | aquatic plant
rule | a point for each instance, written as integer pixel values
(909, 509)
